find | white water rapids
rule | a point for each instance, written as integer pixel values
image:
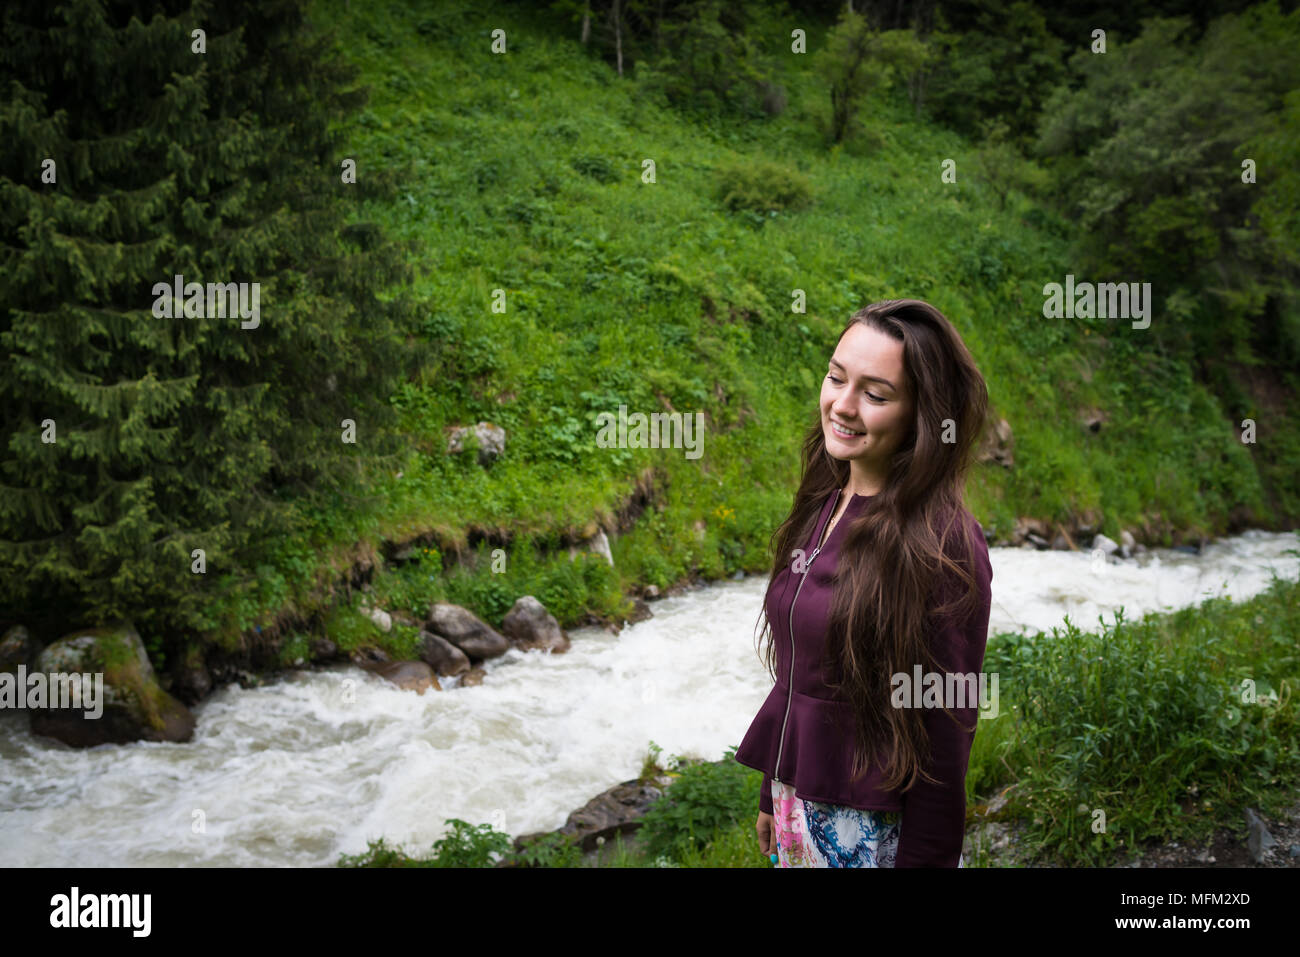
(293, 774)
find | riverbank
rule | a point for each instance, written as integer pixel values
(320, 761)
(1183, 749)
(417, 575)
(1257, 840)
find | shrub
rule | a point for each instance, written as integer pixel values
(705, 799)
(763, 187)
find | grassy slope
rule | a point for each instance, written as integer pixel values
(522, 172)
(622, 291)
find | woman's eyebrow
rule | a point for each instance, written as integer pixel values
(874, 378)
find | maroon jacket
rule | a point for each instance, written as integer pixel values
(808, 729)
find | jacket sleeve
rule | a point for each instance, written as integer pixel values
(765, 795)
(933, 823)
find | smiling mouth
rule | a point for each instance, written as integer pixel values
(845, 433)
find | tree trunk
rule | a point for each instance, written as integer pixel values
(618, 35)
(842, 93)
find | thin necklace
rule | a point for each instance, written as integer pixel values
(834, 521)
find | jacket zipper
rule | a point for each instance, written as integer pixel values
(790, 682)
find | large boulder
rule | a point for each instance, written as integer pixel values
(441, 655)
(997, 444)
(529, 625)
(598, 542)
(322, 649)
(617, 810)
(134, 705)
(466, 631)
(1031, 530)
(381, 619)
(1107, 545)
(489, 439)
(640, 611)
(408, 675)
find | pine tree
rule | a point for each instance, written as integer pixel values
(134, 149)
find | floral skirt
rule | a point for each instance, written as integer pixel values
(811, 834)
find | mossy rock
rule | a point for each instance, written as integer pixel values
(135, 707)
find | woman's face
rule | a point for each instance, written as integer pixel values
(864, 390)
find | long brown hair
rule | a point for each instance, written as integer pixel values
(889, 571)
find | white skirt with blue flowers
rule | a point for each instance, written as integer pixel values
(812, 834)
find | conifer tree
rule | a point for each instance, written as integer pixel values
(140, 142)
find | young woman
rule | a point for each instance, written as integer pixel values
(881, 576)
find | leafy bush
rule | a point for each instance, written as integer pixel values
(470, 846)
(763, 187)
(597, 167)
(705, 800)
(550, 850)
(380, 854)
(1135, 718)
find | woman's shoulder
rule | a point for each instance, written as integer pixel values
(963, 544)
(961, 533)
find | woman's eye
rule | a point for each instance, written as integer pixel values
(877, 398)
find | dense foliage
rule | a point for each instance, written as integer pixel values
(524, 171)
(129, 439)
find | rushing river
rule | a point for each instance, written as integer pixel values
(298, 771)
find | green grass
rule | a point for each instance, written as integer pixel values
(1145, 723)
(523, 173)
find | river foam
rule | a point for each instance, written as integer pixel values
(297, 771)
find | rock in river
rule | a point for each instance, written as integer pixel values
(135, 707)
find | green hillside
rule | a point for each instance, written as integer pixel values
(576, 241)
(523, 172)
